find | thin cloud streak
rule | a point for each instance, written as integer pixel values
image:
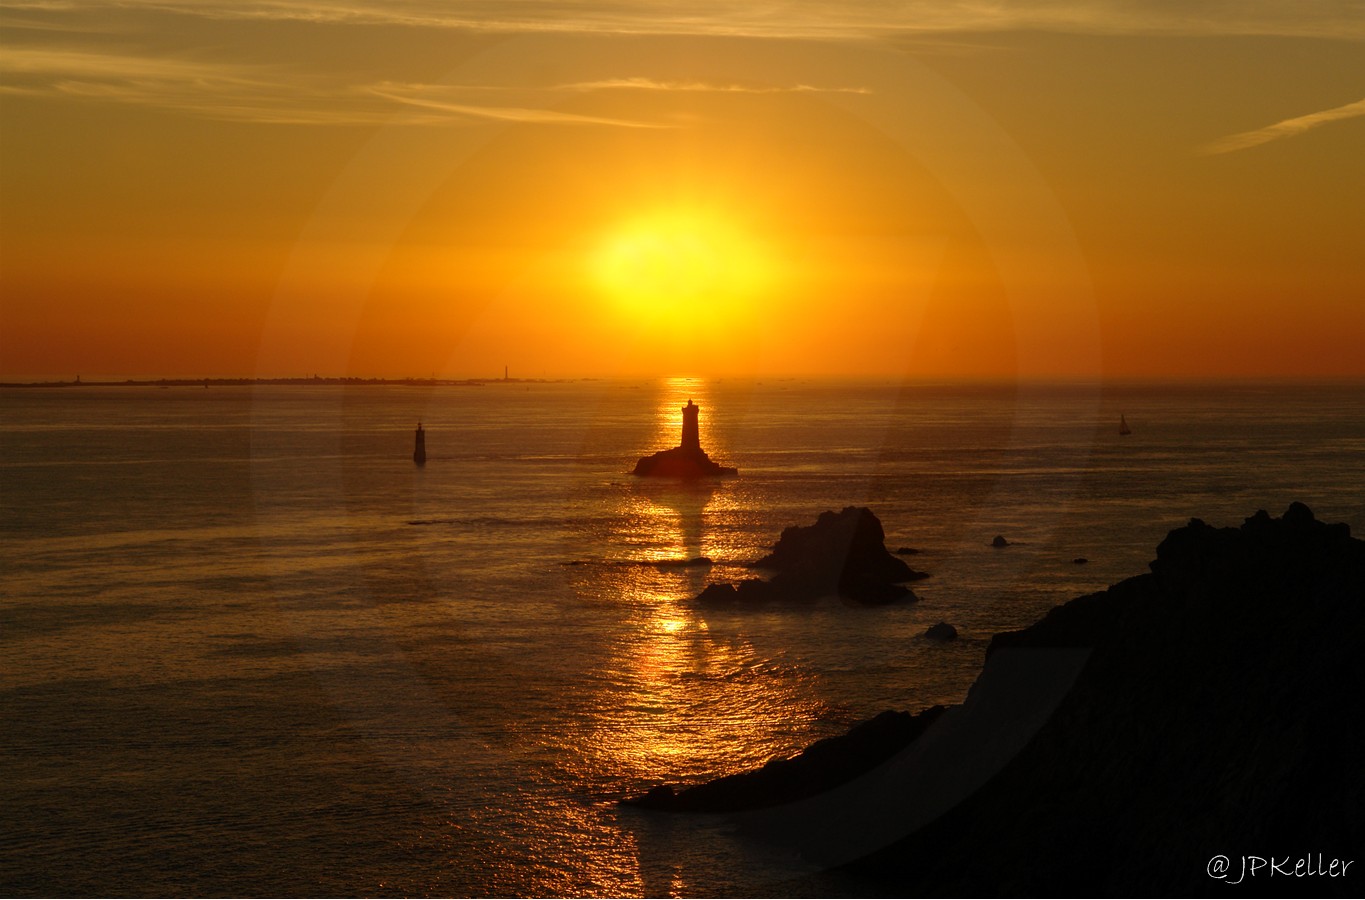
(64, 61)
(1287, 128)
(215, 90)
(650, 84)
(420, 96)
(263, 94)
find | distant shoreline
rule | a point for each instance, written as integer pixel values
(313, 381)
(1344, 381)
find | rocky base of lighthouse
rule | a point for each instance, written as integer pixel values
(681, 462)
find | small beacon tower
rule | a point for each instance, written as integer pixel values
(419, 455)
(691, 434)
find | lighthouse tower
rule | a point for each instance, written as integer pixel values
(688, 459)
(419, 455)
(691, 435)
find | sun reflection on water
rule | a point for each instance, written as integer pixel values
(679, 701)
(677, 698)
(677, 694)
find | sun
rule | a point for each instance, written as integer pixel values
(677, 264)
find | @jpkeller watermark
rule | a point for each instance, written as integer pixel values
(1307, 866)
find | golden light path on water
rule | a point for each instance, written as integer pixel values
(678, 697)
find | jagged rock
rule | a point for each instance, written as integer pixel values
(847, 543)
(751, 590)
(1210, 706)
(843, 553)
(941, 632)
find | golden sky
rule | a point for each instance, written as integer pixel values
(204, 188)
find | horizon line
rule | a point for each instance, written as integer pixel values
(460, 381)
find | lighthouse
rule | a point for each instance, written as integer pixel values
(691, 434)
(419, 455)
(688, 459)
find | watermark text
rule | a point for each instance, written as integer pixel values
(1309, 865)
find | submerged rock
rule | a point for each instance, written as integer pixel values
(841, 554)
(999, 541)
(941, 632)
(693, 563)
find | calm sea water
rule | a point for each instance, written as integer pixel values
(247, 647)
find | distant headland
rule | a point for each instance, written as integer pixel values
(688, 459)
(307, 381)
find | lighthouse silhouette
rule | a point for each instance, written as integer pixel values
(688, 459)
(419, 455)
(691, 433)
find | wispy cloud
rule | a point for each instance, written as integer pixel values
(653, 84)
(96, 65)
(826, 19)
(435, 97)
(209, 57)
(217, 90)
(1287, 128)
(270, 94)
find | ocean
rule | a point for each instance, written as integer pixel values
(248, 647)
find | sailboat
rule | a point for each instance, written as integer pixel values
(1124, 430)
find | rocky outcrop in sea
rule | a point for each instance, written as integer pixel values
(841, 554)
(681, 462)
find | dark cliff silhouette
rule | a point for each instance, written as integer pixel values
(842, 554)
(1119, 745)
(688, 459)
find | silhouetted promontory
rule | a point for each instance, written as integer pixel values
(688, 459)
(842, 554)
(1131, 742)
(822, 766)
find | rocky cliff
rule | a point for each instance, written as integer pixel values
(1137, 740)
